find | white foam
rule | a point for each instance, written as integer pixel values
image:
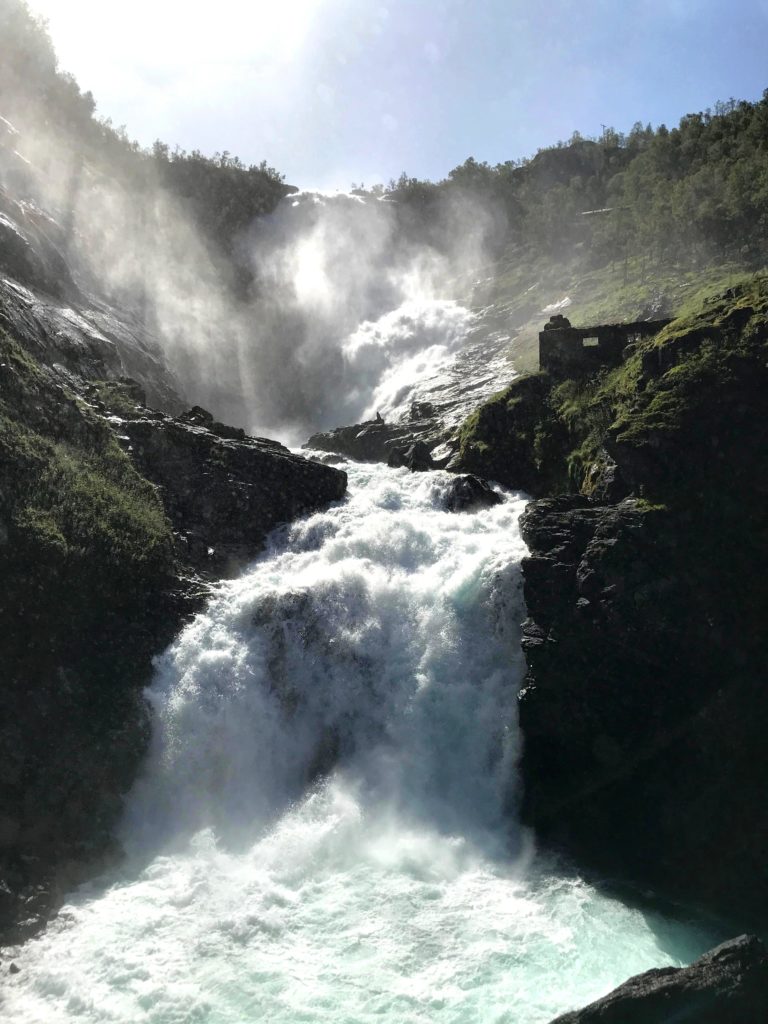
(377, 641)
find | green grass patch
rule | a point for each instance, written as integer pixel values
(674, 394)
(73, 509)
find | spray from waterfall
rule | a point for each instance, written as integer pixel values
(324, 828)
(280, 335)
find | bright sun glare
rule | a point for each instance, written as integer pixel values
(177, 32)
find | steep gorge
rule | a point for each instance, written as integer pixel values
(330, 754)
(645, 703)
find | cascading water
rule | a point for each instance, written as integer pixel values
(324, 828)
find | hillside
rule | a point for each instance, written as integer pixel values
(135, 285)
(644, 710)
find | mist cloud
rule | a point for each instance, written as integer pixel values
(350, 303)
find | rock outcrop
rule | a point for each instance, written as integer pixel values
(222, 490)
(49, 300)
(645, 708)
(112, 517)
(728, 985)
(378, 441)
(467, 493)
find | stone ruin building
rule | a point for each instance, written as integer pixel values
(564, 349)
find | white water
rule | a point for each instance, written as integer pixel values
(381, 634)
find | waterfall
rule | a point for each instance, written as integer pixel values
(381, 637)
(324, 828)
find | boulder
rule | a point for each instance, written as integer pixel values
(392, 443)
(370, 441)
(422, 411)
(728, 985)
(468, 493)
(416, 457)
(222, 490)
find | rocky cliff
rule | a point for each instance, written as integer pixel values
(114, 517)
(645, 708)
(58, 321)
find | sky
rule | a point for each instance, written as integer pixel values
(335, 92)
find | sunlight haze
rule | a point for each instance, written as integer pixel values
(334, 91)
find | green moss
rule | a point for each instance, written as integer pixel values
(116, 396)
(84, 540)
(42, 530)
(80, 488)
(694, 386)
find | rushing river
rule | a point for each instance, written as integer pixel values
(324, 829)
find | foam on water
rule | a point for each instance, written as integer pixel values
(393, 359)
(322, 828)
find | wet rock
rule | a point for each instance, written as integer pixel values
(467, 493)
(31, 247)
(90, 341)
(200, 417)
(415, 457)
(728, 985)
(644, 717)
(58, 324)
(224, 491)
(372, 441)
(421, 411)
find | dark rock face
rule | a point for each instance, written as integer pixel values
(728, 985)
(646, 705)
(468, 493)
(89, 595)
(95, 583)
(644, 709)
(377, 441)
(416, 457)
(224, 491)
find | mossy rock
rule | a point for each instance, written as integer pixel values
(670, 415)
(87, 568)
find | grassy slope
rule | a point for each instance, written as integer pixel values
(546, 435)
(81, 533)
(521, 285)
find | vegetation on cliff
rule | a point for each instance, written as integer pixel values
(87, 563)
(647, 592)
(222, 193)
(694, 388)
(68, 486)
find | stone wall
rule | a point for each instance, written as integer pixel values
(565, 350)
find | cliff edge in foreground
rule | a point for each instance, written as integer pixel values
(646, 708)
(112, 519)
